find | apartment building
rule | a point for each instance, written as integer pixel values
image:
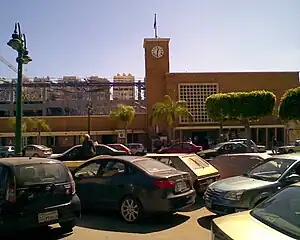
(124, 92)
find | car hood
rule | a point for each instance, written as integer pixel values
(248, 227)
(239, 183)
(54, 156)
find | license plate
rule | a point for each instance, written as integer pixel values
(180, 186)
(47, 216)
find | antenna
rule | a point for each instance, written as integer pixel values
(155, 26)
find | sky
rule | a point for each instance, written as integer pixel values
(105, 37)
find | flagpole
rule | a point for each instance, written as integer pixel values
(155, 26)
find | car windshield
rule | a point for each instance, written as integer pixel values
(281, 212)
(219, 145)
(151, 165)
(41, 147)
(31, 174)
(195, 162)
(271, 170)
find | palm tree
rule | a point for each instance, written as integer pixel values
(41, 125)
(169, 111)
(27, 125)
(124, 114)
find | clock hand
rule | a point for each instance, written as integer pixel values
(157, 50)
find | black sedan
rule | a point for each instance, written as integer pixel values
(75, 153)
(223, 148)
(133, 185)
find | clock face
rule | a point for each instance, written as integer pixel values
(157, 51)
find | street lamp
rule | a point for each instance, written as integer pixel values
(18, 43)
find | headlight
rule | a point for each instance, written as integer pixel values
(234, 195)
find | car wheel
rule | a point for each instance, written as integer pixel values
(68, 226)
(35, 155)
(9, 155)
(290, 151)
(130, 209)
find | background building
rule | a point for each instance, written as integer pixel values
(125, 92)
(194, 88)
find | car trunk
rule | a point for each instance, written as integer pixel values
(38, 192)
(182, 180)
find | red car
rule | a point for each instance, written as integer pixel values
(183, 147)
(120, 147)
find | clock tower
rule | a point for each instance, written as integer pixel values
(156, 67)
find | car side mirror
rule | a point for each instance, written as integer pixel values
(293, 178)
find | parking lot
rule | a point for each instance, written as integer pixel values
(194, 223)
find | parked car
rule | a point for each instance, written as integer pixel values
(290, 148)
(133, 185)
(201, 172)
(231, 165)
(183, 147)
(36, 192)
(258, 148)
(36, 151)
(223, 148)
(137, 149)
(276, 218)
(119, 146)
(247, 191)
(7, 151)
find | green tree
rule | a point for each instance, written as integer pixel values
(169, 111)
(289, 109)
(40, 125)
(246, 107)
(216, 110)
(124, 114)
(27, 125)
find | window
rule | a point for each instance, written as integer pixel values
(281, 212)
(40, 173)
(271, 170)
(89, 170)
(112, 168)
(101, 150)
(195, 95)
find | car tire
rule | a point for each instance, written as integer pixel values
(9, 155)
(290, 151)
(130, 209)
(35, 155)
(68, 226)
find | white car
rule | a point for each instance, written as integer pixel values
(137, 149)
(290, 148)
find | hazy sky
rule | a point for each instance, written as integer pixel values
(104, 37)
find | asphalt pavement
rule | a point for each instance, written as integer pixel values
(194, 223)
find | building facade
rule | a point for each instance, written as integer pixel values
(193, 88)
(125, 92)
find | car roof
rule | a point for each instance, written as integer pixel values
(14, 161)
(288, 156)
(170, 154)
(124, 158)
(262, 155)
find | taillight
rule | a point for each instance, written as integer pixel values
(73, 186)
(165, 184)
(11, 193)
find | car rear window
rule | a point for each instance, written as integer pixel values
(30, 174)
(152, 165)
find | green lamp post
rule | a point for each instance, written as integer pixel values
(18, 43)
